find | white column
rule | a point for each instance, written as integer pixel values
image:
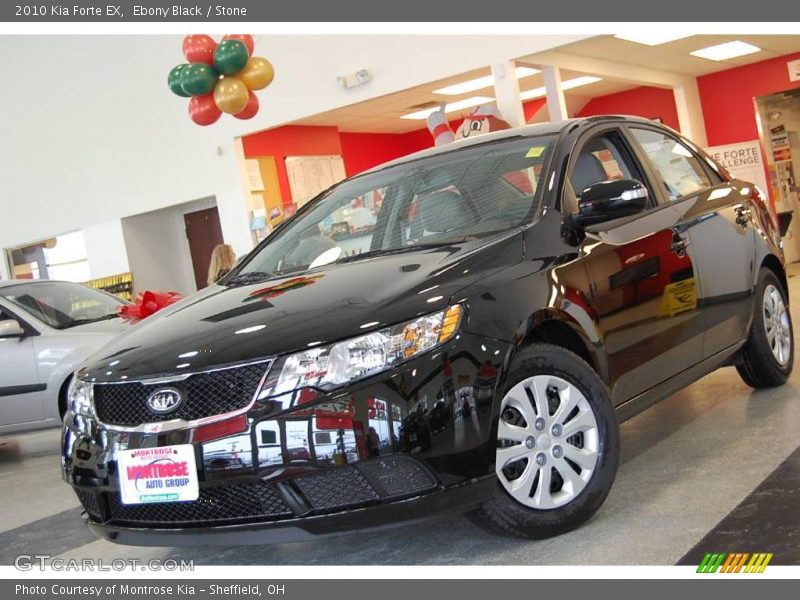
(556, 103)
(105, 249)
(232, 199)
(5, 272)
(506, 91)
(690, 111)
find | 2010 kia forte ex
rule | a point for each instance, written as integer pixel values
(459, 329)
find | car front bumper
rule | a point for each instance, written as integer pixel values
(398, 446)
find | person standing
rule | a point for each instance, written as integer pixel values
(222, 260)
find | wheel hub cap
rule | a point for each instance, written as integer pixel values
(777, 325)
(546, 470)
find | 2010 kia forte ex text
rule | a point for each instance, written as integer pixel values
(462, 328)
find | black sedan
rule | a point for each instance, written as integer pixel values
(462, 328)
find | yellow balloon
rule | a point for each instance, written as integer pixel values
(230, 95)
(257, 73)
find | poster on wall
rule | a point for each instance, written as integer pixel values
(254, 180)
(743, 161)
(781, 149)
(794, 70)
(310, 175)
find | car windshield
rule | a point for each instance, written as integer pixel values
(61, 304)
(450, 197)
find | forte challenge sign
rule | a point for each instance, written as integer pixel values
(743, 161)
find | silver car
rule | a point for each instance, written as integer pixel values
(47, 328)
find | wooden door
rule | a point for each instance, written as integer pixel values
(204, 233)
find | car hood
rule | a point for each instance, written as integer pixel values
(110, 327)
(223, 325)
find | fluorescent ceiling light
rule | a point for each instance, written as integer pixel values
(421, 115)
(481, 82)
(651, 38)
(565, 85)
(726, 51)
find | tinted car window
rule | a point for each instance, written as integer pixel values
(602, 158)
(445, 198)
(61, 304)
(680, 170)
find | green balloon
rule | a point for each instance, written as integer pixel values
(174, 81)
(198, 79)
(230, 57)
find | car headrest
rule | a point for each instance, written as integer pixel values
(588, 170)
(443, 211)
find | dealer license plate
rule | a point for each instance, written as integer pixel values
(165, 474)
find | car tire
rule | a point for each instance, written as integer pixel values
(576, 401)
(767, 358)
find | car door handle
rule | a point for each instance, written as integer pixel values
(679, 245)
(742, 215)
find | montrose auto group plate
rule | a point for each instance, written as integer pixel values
(165, 474)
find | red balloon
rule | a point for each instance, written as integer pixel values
(250, 109)
(245, 38)
(199, 48)
(203, 110)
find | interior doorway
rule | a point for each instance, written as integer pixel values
(779, 120)
(204, 233)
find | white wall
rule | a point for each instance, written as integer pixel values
(158, 252)
(90, 133)
(105, 249)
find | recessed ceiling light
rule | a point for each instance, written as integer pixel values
(726, 51)
(481, 82)
(651, 39)
(565, 85)
(421, 115)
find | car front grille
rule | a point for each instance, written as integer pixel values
(223, 505)
(205, 394)
(380, 480)
(336, 488)
(90, 502)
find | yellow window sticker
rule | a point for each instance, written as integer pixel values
(535, 152)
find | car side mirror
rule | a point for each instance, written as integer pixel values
(10, 328)
(609, 200)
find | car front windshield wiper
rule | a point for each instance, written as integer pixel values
(399, 250)
(247, 278)
(76, 322)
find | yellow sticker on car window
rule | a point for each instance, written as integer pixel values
(535, 152)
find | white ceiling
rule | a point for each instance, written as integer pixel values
(382, 115)
(675, 57)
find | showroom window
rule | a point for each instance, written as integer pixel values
(681, 171)
(62, 257)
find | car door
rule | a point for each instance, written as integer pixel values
(640, 275)
(721, 234)
(20, 388)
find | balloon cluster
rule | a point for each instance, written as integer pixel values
(220, 78)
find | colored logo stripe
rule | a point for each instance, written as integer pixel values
(734, 562)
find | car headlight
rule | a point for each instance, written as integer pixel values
(328, 367)
(79, 396)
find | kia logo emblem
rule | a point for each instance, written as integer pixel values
(164, 400)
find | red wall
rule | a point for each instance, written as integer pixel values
(727, 97)
(360, 151)
(647, 102)
(292, 140)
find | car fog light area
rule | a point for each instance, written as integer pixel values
(327, 367)
(79, 396)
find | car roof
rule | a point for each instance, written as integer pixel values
(547, 128)
(5, 283)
